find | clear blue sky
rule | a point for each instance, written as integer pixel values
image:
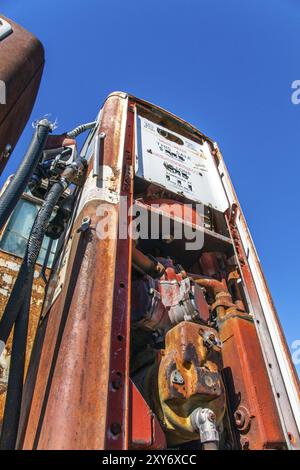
(225, 66)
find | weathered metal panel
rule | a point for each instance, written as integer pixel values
(144, 429)
(69, 404)
(248, 387)
(118, 401)
(21, 66)
(278, 362)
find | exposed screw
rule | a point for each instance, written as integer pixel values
(176, 377)
(242, 418)
(85, 223)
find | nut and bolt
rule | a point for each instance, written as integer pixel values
(176, 378)
(239, 418)
(85, 223)
(242, 418)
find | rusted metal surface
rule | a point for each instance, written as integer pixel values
(254, 296)
(188, 378)
(280, 393)
(250, 396)
(69, 402)
(21, 66)
(277, 357)
(118, 402)
(144, 429)
(10, 265)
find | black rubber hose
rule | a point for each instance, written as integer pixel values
(24, 279)
(16, 187)
(82, 128)
(18, 307)
(14, 393)
(17, 311)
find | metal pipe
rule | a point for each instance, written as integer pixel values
(16, 378)
(146, 264)
(79, 129)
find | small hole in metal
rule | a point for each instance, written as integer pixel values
(115, 428)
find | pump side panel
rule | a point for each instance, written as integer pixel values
(69, 388)
(21, 66)
(281, 370)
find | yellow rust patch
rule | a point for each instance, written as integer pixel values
(188, 378)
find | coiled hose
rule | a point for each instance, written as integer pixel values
(18, 306)
(14, 191)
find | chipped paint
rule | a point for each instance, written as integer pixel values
(7, 278)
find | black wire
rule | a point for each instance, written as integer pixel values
(16, 378)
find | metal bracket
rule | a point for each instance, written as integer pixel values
(5, 29)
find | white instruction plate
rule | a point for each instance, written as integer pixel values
(178, 164)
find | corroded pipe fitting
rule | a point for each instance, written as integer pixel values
(204, 421)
